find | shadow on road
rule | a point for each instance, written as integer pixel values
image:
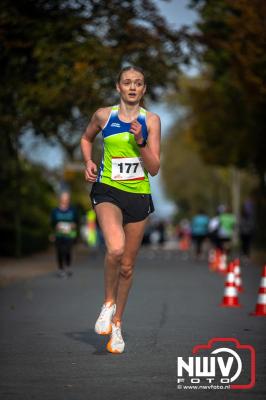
(90, 337)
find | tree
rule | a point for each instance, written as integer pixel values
(231, 36)
(36, 198)
(228, 111)
(59, 61)
(190, 182)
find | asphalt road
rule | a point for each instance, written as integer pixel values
(49, 349)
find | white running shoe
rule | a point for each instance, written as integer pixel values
(103, 324)
(116, 343)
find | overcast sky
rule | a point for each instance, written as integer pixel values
(176, 12)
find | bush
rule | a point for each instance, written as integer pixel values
(25, 210)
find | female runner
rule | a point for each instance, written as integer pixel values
(120, 192)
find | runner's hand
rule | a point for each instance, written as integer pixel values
(136, 129)
(91, 171)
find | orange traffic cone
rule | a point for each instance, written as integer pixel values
(222, 265)
(214, 259)
(230, 298)
(261, 302)
(184, 243)
(238, 278)
(211, 259)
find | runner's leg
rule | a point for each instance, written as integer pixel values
(111, 222)
(59, 253)
(133, 237)
(68, 254)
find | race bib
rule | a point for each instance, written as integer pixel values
(64, 227)
(127, 168)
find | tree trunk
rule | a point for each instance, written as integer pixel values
(236, 200)
(17, 194)
(260, 234)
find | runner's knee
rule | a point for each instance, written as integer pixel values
(116, 252)
(126, 269)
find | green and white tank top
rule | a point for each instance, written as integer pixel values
(121, 164)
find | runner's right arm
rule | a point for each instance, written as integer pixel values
(94, 127)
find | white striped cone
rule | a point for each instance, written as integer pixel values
(238, 277)
(230, 298)
(261, 302)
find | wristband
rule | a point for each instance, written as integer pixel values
(143, 144)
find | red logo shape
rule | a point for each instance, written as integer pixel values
(238, 346)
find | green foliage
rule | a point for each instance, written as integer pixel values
(26, 202)
(218, 123)
(59, 60)
(229, 111)
(190, 182)
(79, 189)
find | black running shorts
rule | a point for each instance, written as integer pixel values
(134, 206)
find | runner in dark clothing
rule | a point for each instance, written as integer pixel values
(64, 223)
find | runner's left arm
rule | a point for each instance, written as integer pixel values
(151, 152)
